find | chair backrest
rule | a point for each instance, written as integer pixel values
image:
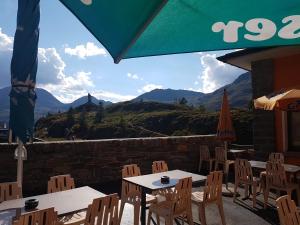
(220, 154)
(60, 183)
(182, 195)
(287, 211)
(40, 217)
(159, 166)
(243, 170)
(213, 187)
(204, 153)
(276, 175)
(129, 189)
(276, 157)
(9, 191)
(104, 211)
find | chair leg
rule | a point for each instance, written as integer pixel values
(136, 214)
(226, 171)
(169, 221)
(210, 165)
(266, 196)
(254, 187)
(149, 217)
(216, 165)
(121, 211)
(246, 191)
(289, 192)
(200, 166)
(221, 211)
(157, 219)
(202, 216)
(236, 184)
(298, 195)
(262, 179)
(189, 216)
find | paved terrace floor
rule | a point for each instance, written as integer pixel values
(239, 213)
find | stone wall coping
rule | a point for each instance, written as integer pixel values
(113, 140)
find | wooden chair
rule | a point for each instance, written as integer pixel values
(276, 179)
(179, 206)
(212, 194)
(288, 213)
(40, 217)
(221, 158)
(243, 175)
(63, 183)
(205, 157)
(9, 191)
(159, 166)
(273, 157)
(131, 193)
(60, 183)
(104, 211)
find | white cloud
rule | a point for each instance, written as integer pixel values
(215, 74)
(133, 76)
(111, 96)
(52, 75)
(84, 51)
(149, 87)
(6, 45)
(6, 42)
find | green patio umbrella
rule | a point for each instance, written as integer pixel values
(136, 28)
(23, 77)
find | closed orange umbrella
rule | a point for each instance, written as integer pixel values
(225, 131)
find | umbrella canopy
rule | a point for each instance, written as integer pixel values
(23, 77)
(136, 28)
(225, 131)
(288, 100)
(24, 68)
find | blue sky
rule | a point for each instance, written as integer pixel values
(72, 62)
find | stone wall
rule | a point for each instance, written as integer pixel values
(99, 162)
(264, 121)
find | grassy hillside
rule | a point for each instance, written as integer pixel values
(141, 119)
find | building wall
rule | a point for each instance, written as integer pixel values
(287, 75)
(264, 121)
(99, 162)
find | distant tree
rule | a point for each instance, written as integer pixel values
(70, 117)
(202, 108)
(82, 121)
(183, 101)
(100, 112)
(122, 121)
(49, 114)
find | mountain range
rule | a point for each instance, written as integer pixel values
(45, 103)
(239, 92)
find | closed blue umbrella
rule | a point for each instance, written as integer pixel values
(23, 76)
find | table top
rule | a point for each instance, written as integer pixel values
(64, 202)
(152, 181)
(262, 165)
(237, 150)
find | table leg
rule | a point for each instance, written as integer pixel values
(143, 207)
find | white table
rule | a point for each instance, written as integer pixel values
(64, 202)
(262, 165)
(151, 182)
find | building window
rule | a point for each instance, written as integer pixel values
(294, 131)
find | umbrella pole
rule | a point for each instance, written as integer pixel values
(20, 155)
